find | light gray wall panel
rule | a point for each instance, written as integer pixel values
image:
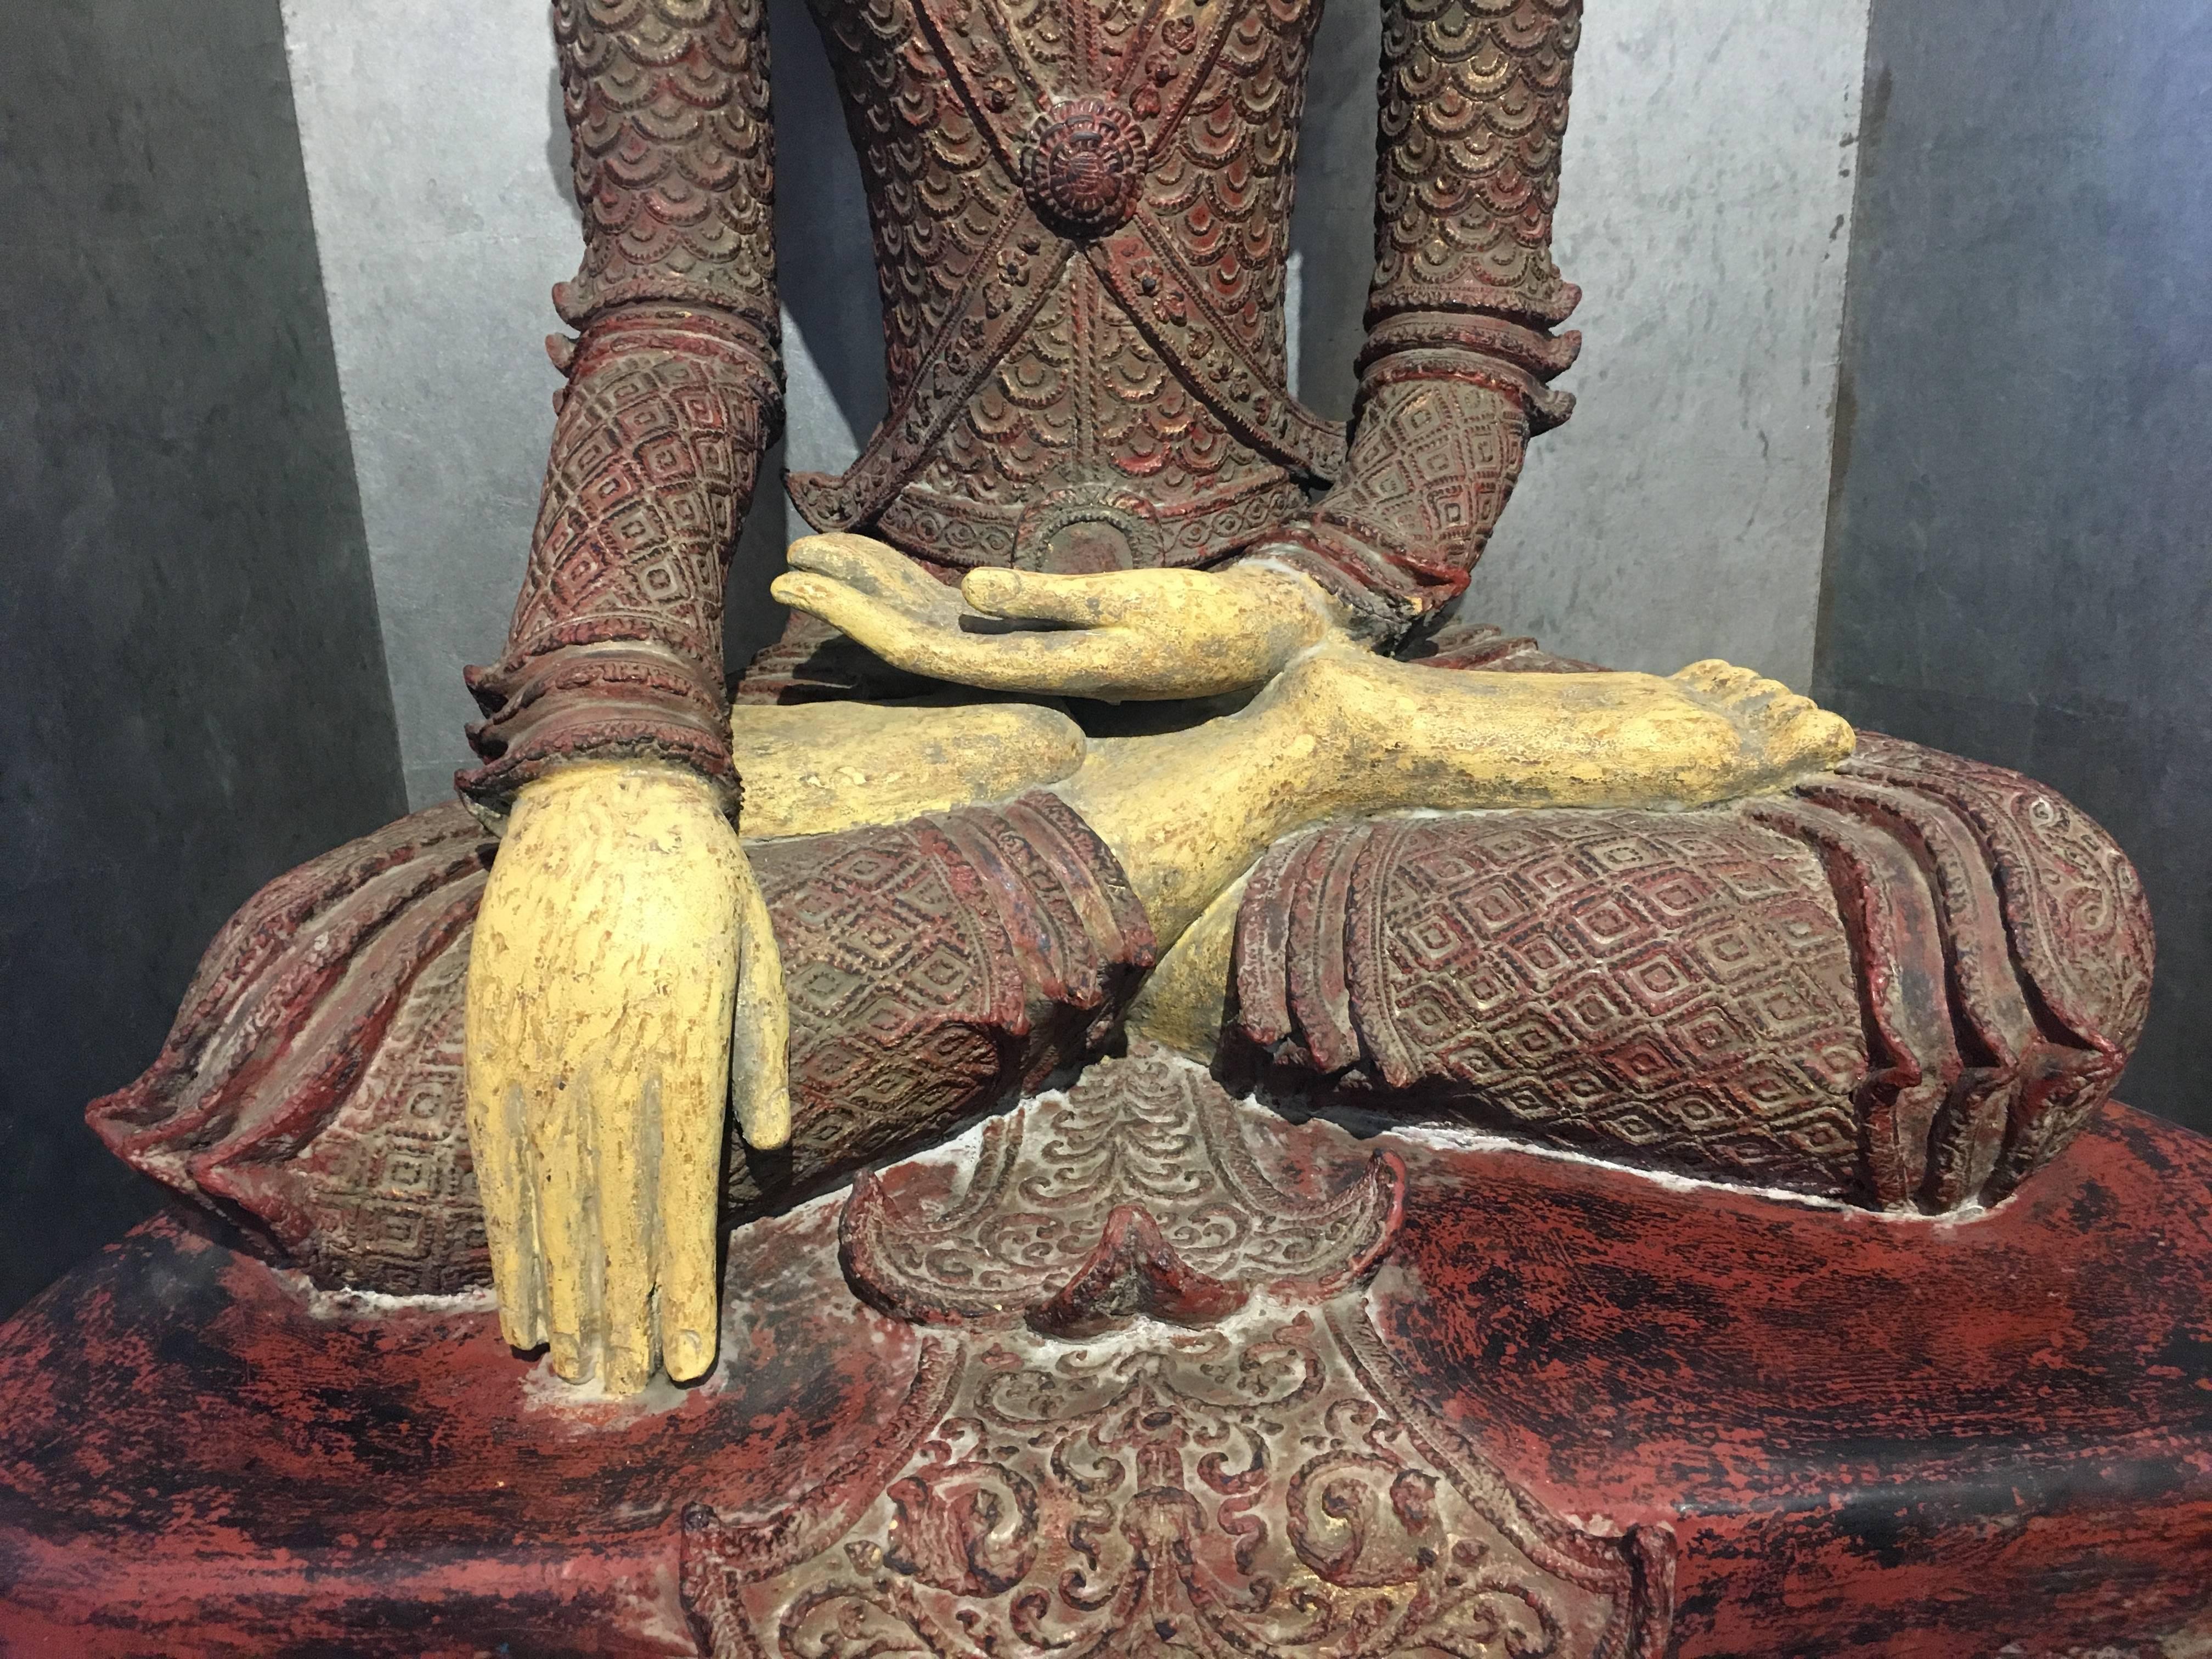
(1706, 213)
(442, 211)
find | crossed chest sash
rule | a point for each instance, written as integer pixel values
(1079, 163)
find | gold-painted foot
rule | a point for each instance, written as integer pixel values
(1409, 738)
(1791, 734)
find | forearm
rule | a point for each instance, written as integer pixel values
(1435, 456)
(615, 650)
(1455, 376)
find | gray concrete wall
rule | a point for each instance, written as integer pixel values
(2019, 567)
(442, 210)
(194, 697)
(1681, 516)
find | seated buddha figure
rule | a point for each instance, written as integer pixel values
(1119, 705)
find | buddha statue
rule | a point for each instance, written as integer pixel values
(1126, 646)
(1122, 742)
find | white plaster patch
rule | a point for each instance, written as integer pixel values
(1706, 212)
(351, 1304)
(1447, 1137)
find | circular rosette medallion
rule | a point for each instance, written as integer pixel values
(1084, 166)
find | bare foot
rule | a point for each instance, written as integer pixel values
(813, 767)
(1791, 736)
(1409, 737)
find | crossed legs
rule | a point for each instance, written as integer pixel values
(1338, 733)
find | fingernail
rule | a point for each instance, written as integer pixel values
(689, 1355)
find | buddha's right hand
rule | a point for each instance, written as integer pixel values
(604, 995)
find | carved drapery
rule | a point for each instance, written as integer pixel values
(310, 1088)
(1905, 983)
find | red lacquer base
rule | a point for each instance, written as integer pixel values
(1835, 1434)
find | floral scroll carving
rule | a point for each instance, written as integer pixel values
(1145, 1199)
(1251, 1478)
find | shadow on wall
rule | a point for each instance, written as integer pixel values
(196, 698)
(2016, 566)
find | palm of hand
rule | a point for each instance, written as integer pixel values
(1127, 636)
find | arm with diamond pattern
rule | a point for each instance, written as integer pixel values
(1455, 375)
(615, 651)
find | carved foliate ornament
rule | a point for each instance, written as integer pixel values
(1157, 1420)
(1136, 1195)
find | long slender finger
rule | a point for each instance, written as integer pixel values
(494, 1085)
(760, 1074)
(621, 996)
(877, 568)
(1099, 600)
(1081, 664)
(563, 1146)
(627, 1133)
(534, 1101)
(693, 1094)
(892, 633)
(693, 1048)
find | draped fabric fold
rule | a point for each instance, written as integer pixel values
(1906, 984)
(311, 1090)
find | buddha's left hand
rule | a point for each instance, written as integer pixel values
(1124, 636)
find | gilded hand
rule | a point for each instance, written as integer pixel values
(622, 951)
(1127, 636)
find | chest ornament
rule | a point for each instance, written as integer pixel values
(1083, 164)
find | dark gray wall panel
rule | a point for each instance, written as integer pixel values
(193, 695)
(2018, 565)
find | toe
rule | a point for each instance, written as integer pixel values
(1744, 686)
(1829, 738)
(1811, 738)
(1722, 682)
(1705, 675)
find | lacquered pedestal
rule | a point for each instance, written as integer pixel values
(1631, 1417)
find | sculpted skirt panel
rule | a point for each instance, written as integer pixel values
(1906, 984)
(312, 1089)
